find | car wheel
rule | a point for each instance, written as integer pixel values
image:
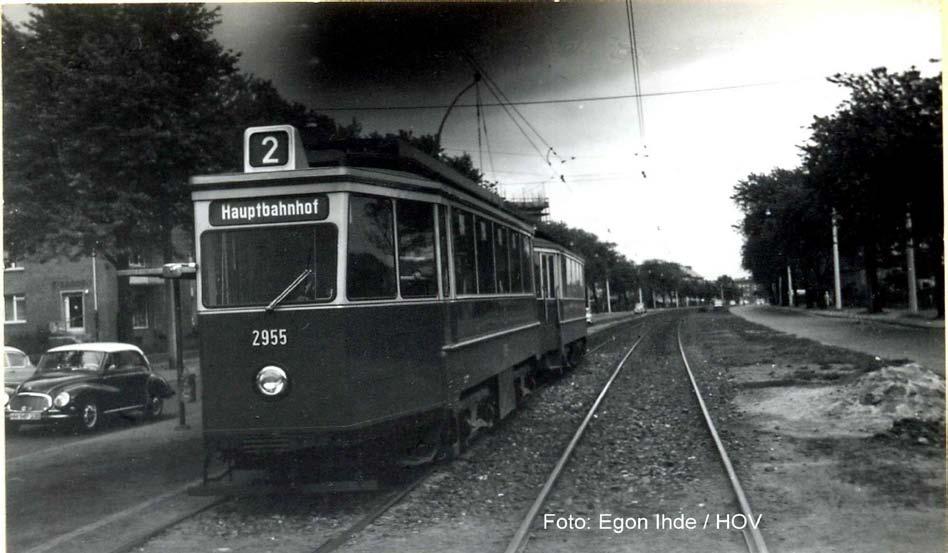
(154, 407)
(89, 417)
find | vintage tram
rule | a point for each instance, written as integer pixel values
(367, 294)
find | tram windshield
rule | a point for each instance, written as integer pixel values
(251, 267)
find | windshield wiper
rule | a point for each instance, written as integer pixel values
(286, 291)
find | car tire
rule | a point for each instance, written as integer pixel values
(89, 417)
(154, 407)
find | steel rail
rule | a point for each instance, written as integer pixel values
(340, 539)
(519, 540)
(612, 340)
(752, 535)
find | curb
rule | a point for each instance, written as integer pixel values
(866, 318)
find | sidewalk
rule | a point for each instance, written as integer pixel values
(921, 343)
(901, 317)
(192, 364)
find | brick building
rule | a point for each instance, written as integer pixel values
(60, 300)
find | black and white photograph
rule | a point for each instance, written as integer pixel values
(473, 277)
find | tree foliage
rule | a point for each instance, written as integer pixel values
(875, 159)
(657, 278)
(107, 112)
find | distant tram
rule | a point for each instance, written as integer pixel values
(366, 295)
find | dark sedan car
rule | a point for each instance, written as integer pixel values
(84, 382)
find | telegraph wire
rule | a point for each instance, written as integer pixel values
(556, 100)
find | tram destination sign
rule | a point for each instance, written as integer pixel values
(274, 209)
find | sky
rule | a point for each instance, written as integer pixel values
(729, 88)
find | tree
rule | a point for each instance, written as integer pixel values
(601, 257)
(108, 110)
(784, 225)
(428, 144)
(878, 157)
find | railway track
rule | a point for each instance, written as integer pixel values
(752, 535)
(377, 508)
(392, 498)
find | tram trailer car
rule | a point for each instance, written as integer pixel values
(366, 293)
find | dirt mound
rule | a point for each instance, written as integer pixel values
(917, 432)
(866, 406)
(904, 392)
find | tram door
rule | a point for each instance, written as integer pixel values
(548, 288)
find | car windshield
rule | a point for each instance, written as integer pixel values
(62, 361)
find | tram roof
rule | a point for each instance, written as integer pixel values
(368, 153)
(540, 241)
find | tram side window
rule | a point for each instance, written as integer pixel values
(371, 261)
(581, 280)
(551, 277)
(465, 269)
(485, 257)
(443, 247)
(573, 288)
(526, 261)
(417, 271)
(503, 263)
(538, 274)
(516, 262)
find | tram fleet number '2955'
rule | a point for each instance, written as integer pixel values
(268, 337)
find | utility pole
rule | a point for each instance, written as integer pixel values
(608, 297)
(789, 287)
(910, 264)
(175, 357)
(779, 290)
(837, 288)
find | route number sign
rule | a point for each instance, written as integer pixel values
(273, 148)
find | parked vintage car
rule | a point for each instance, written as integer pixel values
(82, 383)
(16, 368)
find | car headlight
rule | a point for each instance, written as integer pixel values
(271, 381)
(62, 399)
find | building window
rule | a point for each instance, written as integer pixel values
(73, 310)
(10, 263)
(140, 311)
(15, 305)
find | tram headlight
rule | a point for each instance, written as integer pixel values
(271, 381)
(62, 399)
